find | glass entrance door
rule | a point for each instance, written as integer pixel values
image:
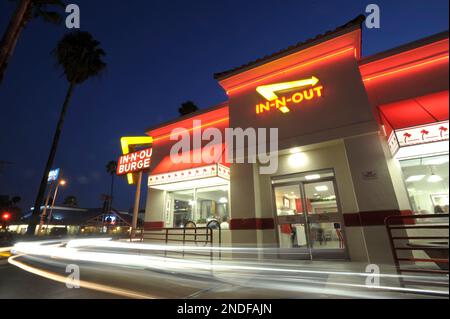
(292, 228)
(324, 220)
(309, 218)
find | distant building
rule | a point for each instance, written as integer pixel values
(74, 221)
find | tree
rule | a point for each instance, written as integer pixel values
(111, 168)
(15, 200)
(6, 201)
(105, 199)
(70, 201)
(26, 10)
(80, 56)
(187, 108)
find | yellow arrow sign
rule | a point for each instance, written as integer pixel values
(268, 91)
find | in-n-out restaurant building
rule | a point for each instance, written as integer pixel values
(359, 139)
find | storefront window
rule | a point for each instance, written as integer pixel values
(211, 204)
(200, 205)
(183, 205)
(426, 179)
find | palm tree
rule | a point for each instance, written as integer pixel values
(187, 107)
(111, 168)
(71, 201)
(105, 199)
(80, 56)
(25, 11)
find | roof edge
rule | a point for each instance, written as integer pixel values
(405, 47)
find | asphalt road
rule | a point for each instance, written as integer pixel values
(17, 283)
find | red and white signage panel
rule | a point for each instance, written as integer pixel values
(134, 162)
(417, 135)
(192, 174)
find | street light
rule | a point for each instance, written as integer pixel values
(61, 182)
(44, 212)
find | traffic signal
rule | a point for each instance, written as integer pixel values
(6, 216)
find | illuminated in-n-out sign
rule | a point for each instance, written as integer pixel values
(134, 162)
(284, 103)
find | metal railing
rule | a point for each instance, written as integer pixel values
(188, 237)
(425, 238)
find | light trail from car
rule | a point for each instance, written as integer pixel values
(84, 284)
(268, 274)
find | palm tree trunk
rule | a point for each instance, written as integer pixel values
(11, 49)
(112, 190)
(51, 157)
(11, 35)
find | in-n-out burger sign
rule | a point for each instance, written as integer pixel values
(284, 103)
(134, 162)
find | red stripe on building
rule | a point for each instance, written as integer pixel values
(153, 225)
(252, 223)
(374, 218)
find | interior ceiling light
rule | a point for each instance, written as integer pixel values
(313, 176)
(433, 178)
(321, 188)
(415, 178)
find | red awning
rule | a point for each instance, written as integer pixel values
(166, 165)
(418, 111)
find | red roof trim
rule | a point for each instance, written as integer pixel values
(417, 111)
(166, 165)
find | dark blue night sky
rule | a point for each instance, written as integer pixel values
(159, 54)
